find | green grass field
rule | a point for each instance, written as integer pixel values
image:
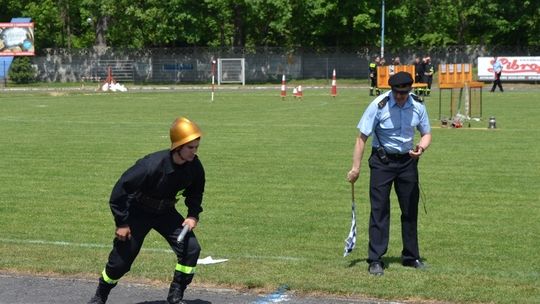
(277, 203)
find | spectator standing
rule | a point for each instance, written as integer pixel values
(497, 71)
(373, 75)
(418, 74)
(429, 70)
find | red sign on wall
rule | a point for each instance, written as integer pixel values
(17, 39)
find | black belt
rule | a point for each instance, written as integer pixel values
(155, 205)
(385, 156)
(397, 156)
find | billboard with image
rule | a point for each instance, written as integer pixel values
(17, 39)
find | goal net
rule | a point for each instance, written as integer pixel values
(231, 70)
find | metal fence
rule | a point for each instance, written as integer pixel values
(193, 65)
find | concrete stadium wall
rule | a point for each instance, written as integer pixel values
(193, 65)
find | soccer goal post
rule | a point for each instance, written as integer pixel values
(231, 70)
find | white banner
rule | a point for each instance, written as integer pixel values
(514, 68)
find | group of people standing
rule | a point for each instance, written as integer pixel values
(424, 71)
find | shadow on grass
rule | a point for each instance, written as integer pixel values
(391, 260)
(356, 261)
(387, 261)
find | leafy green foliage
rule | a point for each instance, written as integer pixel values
(283, 23)
(21, 70)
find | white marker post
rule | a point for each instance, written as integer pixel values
(213, 76)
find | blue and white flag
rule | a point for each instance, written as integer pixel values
(350, 242)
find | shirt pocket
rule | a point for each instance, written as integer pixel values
(386, 122)
(415, 120)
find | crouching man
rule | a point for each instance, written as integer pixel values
(144, 198)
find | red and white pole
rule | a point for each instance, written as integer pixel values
(333, 91)
(213, 76)
(283, 87)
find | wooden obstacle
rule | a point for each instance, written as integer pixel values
(456, 77)
(385, 72)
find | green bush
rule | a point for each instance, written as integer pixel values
(21, 70)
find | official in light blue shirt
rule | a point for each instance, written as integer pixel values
(497, 66)
(393, 126)
(393, 119)
(497, 71)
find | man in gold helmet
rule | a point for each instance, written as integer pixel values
(144, 198)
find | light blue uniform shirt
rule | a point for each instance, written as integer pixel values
(497, 66)
(394, 126)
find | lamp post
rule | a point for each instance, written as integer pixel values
(382, 30)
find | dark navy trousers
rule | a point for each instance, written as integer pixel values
(401, 171)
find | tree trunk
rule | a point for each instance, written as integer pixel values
(238, 38)
(101, 31)
(68, 26)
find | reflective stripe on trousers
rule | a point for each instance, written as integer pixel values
(107, 279)
(185, 269)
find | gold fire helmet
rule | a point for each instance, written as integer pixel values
(183, 131)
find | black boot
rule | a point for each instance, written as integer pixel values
(176, 293)
(178, 286)
(102, 292)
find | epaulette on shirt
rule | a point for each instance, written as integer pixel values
(383, 102)
(417, 98)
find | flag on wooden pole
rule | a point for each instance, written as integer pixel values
(350, 241)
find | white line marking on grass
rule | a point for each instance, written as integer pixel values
(159, 250)
(287, 258)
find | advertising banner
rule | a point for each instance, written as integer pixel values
(17, 39)
(514, 68)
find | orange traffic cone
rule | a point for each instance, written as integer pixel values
(297, 92)
(333, 92)
(283, 87)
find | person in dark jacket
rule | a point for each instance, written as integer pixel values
(144, 198)
(373, 75)
(429, 70)
(418, 74)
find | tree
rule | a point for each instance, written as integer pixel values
(284, 23)
(21, 70)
